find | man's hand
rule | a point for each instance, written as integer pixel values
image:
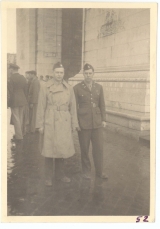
(31, 105)
(104, 124)
(41, 130)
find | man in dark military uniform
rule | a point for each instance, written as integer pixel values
(92, 119)
(17, 87)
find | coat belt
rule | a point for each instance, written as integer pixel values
(59, 108)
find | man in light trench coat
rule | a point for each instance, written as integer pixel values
(56, 119)
(92, 118)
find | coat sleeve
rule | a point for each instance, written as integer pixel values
(73, 110)
(102, 105)
(41, 107)
(35, 94)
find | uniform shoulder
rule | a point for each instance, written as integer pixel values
(98, 85)
(78, 85)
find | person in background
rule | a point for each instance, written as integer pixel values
(92, 118)
(56, 119)
(17, 87)
(8, 86)
(33, 99)
(27, 76)
(46, 78)
(41, 78)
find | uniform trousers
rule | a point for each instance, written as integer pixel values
(18, 121)
(96, 137)
(59, 168)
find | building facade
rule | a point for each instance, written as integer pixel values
(11, 58)
(115, 41)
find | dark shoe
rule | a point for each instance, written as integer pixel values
(86, 176)
(102, 176)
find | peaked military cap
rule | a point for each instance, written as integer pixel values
(58, 65)
(87, 67)
(14, 66)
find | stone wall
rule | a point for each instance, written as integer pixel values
(116, 38)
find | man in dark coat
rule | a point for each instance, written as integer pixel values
(92, 119)
(17, 87)
(33, 99)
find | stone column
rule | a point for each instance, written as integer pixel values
(26, 39)
(48, 39)
(39, 34)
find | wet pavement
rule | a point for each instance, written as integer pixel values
(126, 192)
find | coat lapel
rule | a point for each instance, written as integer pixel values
(59, 88)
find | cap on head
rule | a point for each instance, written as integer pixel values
(33, 72)
(14, 66)
(58, 65)
(27, 72)
(87, 67)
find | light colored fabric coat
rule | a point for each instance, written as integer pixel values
(56, 113)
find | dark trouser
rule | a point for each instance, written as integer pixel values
(32, 118)
(96, 137)
(59, 167)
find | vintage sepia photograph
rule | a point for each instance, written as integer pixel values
(78, 87)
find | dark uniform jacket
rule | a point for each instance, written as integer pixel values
(17, 90)
(33, 91)
(90, 105)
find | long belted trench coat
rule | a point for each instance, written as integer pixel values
(56, 113)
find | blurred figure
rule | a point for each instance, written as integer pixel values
(17, 87)
(41, 78)
(27, 76)
(33, 99)
(46, 78)
(8, 90)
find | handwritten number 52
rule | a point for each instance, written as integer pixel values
(144, 220)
